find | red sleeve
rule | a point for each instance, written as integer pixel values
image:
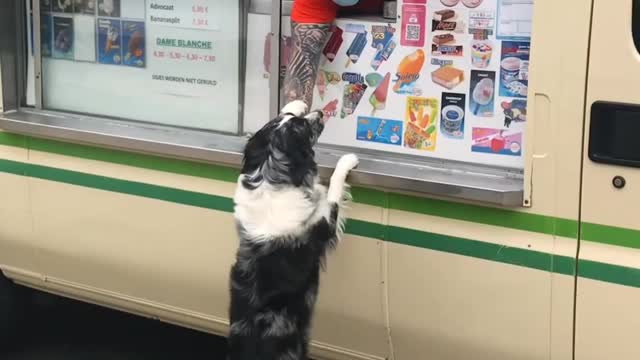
(314, 11)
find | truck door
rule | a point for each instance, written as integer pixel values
(608, 285)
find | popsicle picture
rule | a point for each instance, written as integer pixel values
(331, 109)
(482, 93)
(334, 43)
(353, 93)
(356, 48)
(409, 69)
(378, 98)
(421, 123)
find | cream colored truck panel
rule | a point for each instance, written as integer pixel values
(171, 260)
(445, 306)
(175, 258)
(608, 319)
(16, 247)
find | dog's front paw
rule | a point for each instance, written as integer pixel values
(347, 163)
(297, 107)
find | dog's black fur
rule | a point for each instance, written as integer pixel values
(274, 282)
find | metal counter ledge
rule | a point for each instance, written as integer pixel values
(490, 185)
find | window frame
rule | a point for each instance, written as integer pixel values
(391, 172)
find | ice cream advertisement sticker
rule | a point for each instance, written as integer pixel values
(514, 111)
(134, 43)
(421, 123)
(334, 43)
(496, 141)
(63, 37)
(378, 98)
(357, 45)
(452, 115)
(514, 69)
(378, 130)
(413, 22)
(353, 91)
(408, 72)
(383, 42)
(482, 93)
(109, 41)
(331, 109)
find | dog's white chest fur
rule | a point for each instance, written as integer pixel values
(266, 213)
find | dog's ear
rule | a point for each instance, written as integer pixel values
(294, 139)
(256, 150)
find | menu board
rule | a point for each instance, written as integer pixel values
(164, 61)
(449, 80)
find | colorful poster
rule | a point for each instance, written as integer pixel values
(353, 91)
(87, 7)
(378, 98)
(408, 72)
(330, 110)
(46, 35)
(382, 131)
(514, 69)
(452, 115)
(496, 141)
(133, 38)
(63, 37)
(333, 45)
(109, 41)
(110, 8)
(414, 18)
(383, 42)
(482, 93)
(448, 20)
(421, 123)
(514, 111)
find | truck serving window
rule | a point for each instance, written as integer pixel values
(433, 95)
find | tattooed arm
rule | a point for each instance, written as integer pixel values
(300, 78)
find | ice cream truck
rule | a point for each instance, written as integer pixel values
(494, 212)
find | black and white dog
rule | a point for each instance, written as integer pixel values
(287, 221)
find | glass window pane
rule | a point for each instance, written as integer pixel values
(257, 74)
(174, 62)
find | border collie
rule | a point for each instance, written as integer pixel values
(286, 221)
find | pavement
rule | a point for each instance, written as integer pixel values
(62, 329)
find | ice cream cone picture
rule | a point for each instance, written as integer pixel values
(409, 69)
(378, 98)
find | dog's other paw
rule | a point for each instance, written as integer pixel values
(296, 107)
(347, 163)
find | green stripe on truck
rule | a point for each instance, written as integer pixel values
(431, 241)
(466, 212)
